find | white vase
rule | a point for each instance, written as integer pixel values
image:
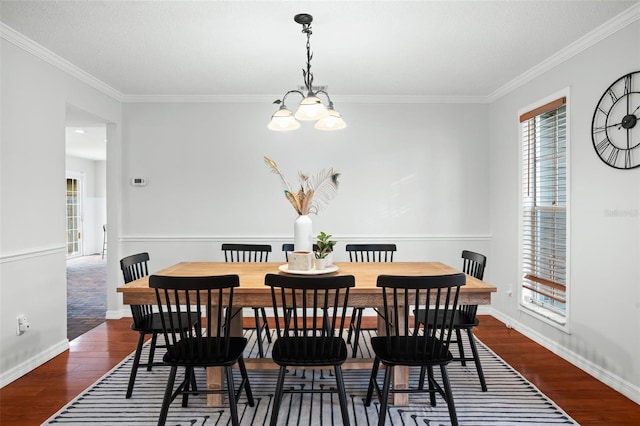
(303, 233)
(321, 263)
(329, 258)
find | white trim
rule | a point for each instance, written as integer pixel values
(33, 362)
(116, 315)
(610, 27)
(28, 254)
(284, 239)
(615, 382)
(48, 56)
(338, 99)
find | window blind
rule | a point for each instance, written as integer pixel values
(544, 206)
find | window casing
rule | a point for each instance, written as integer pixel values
(544, 210)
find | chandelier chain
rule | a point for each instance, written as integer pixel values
(308, 75)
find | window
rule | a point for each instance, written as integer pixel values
(544, 210)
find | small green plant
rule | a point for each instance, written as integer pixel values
(325, 246)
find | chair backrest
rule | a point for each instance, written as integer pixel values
(309, 306)
(135, 267)
(371, 252)
(288, 248)
(180, 298)
(436, 296)
(246, 252)
(473, 263)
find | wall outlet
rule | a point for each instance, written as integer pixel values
(23, 325)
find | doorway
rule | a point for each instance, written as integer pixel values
(85, 142)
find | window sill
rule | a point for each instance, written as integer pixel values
(553, 319)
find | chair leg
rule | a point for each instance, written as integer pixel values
(423, 372)
(136, 363)
(463, 359)
(167, 396)
(449, 396)
(372, 381)
(357, 331)
(384, 399)
(233, 407)
(476, 358)
(277, 398)
(256, 314)
(189, 380)
(342, 395)
(245, 382)
(352, 324)
(265, 324)
(432, 388)
(152, 350)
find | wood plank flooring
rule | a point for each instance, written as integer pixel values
(31, 399)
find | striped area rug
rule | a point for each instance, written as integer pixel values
(511, 399)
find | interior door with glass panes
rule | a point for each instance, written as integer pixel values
(74, 216)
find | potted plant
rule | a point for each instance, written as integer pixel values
(324, 250)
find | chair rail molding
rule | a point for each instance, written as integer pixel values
(289, 238)
(35, 252)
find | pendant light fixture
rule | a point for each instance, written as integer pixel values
(311, 107)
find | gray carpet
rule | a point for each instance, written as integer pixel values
(86, 294)
(511, 400)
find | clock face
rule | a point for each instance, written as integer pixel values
(615, 129)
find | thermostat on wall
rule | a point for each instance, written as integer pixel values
(138, 181)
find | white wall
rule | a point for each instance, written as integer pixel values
(32, 212)
(421, 182)
(604, 286)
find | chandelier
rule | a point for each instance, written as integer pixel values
(310, 107)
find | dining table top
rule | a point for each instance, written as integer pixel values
(252, 275)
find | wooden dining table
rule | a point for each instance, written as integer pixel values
(252, 292)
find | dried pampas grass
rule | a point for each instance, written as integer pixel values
(315, 191)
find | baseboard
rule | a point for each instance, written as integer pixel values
(33, 362)
(613, 381)
(115, 315)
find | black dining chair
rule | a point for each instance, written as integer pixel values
(406, 343)
(252, 253)
(145, 321)
(309, 314)
(365, 253)
(465, 317)
(213, 345)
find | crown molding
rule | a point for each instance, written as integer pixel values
(610, 27)
(48, 56)
(368, 99)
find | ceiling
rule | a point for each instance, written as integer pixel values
(361, 48)
(242, 49)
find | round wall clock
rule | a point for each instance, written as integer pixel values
(615, 128)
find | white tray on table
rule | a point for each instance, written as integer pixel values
(329, 269)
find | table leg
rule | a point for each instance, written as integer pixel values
(215, 375)
(400, 377)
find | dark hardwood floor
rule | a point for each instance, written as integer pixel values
(33, 398)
